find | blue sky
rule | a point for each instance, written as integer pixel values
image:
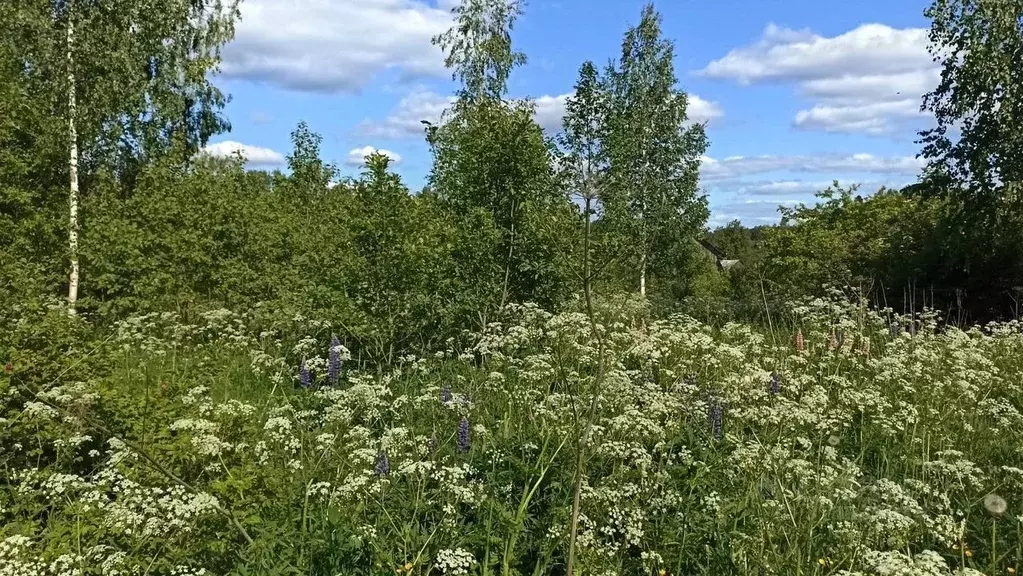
(796, 93)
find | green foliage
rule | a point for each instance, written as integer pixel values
(478, 47)
(493, 168)
(974, 152)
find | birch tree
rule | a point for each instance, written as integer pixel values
(493, 165)
(654, 153)
(121, 82)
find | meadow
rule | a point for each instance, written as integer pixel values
(861, 442)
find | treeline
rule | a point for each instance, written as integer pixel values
(103, 185)
(158, 225)
(901, 248)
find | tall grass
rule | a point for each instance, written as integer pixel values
(881, 451)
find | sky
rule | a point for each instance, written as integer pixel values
(795, 93)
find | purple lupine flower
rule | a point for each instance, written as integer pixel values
(334, 360)
(304, 377)
(463, 434)
(382, 466)
(715, 416)
(775, 387)
(445, 394)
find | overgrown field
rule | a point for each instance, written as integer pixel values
(861, 447)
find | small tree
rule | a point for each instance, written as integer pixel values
(652, 202)
(493, 163)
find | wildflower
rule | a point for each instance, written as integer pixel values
(839, 338)
(445, 394)
(895, 329)
(715, 416)
(1010, 570)
(334, 360)
(9, 367)
(463, 434)
(304, 378)
(775, 387)
(382, 466)
(995, 504)
(800, 341)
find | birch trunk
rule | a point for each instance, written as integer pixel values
(72, 292)
(642, 274)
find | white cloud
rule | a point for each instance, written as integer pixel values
(867, 80)
(781, 187)
(334, 45)
(751, 212)
(550, 110)
(735, 167)
(405, 121)
(357, 157)
(254, 155)
(701, 110)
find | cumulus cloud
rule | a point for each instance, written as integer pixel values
(334, 45)
(254, 155)
(701, 110)
(357, 157)
(867, 80)
(734, 167)
(550, 110)
(405, 121)
(751, 212)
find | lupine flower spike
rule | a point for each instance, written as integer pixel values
(800, 342)
(382, 466)
(463, 434)
(715, 416)
(775, 387)
(334, 361)
(445, 394)
(304, 377)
